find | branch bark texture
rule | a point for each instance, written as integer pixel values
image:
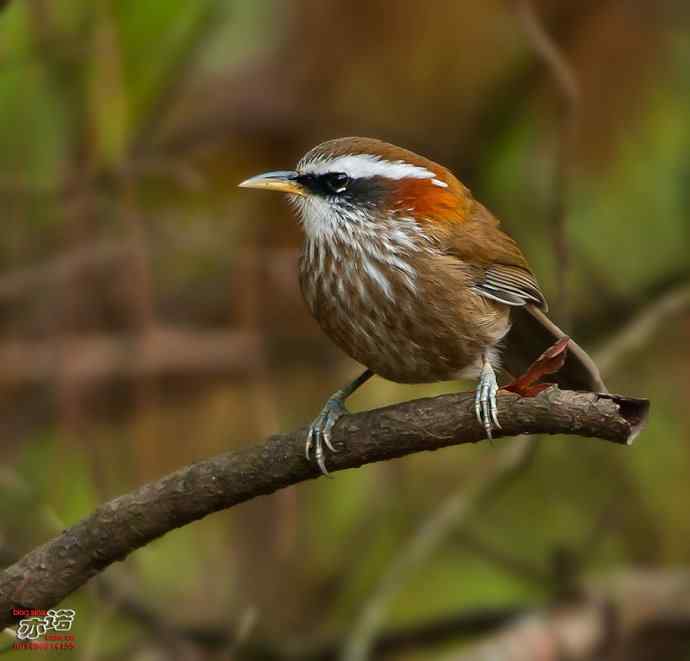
(52, 571)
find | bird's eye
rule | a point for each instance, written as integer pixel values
(336, 182)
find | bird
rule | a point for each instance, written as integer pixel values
(413, 278)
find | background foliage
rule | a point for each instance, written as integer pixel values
(149, 310)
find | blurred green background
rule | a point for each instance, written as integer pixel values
(150, 313)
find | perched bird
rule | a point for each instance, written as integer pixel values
(412, 277)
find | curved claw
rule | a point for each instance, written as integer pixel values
(308, 444)
(485, 405)
(320, 432)
(328, 429)
(493, 405)
(320, 456)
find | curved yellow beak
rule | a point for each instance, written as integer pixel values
(284, 181)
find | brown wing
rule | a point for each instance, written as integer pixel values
(501, 270)
(511, 285)
(502, 274)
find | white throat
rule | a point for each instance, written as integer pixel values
(360, 243)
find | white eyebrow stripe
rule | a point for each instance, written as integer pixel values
(359, 166)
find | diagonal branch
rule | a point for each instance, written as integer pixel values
(51, 572)
(643, 327)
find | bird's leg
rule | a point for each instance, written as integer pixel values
(319, 433)
(485, 406)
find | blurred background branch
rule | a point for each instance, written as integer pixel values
(566, 83)
(644, 327)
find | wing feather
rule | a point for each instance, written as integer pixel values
(501, 270)
(511, 285)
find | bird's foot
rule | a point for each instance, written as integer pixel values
(485, 406)
(319, 433)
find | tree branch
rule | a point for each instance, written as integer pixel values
(52, 571)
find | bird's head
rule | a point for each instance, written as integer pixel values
(350, 184)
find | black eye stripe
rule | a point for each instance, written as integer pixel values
(337, 181)
(340, 189)
(329, 183)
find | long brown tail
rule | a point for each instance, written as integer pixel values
(531, 333)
